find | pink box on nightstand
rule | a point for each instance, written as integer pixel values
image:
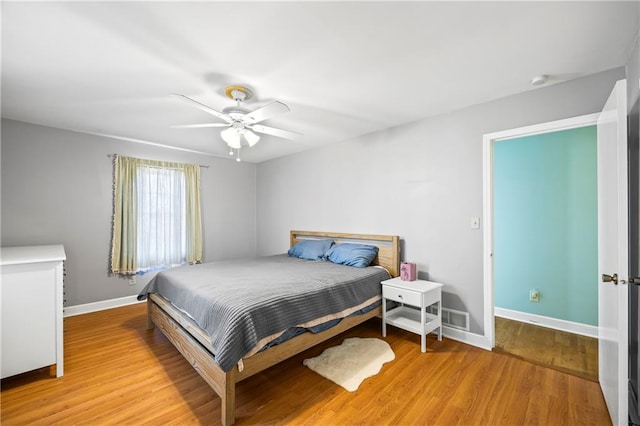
(408, 271)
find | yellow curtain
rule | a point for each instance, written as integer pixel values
(124, 232)
(125, 212)
(194, 222)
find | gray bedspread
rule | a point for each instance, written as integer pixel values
(239, 302)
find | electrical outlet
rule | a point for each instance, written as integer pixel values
(534, 296)
(132, 281)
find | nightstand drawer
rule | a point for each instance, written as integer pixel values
(401, 295)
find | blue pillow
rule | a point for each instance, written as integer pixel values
(310, 249)
(358, 255)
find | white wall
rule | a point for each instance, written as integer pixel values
(422, 181)
(57, 188)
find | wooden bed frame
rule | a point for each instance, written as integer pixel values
(193, 343)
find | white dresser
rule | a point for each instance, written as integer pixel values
(31, 299)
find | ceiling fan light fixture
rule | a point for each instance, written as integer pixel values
(232, 137)
(251, 137)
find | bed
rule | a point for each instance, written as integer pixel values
(198, 343)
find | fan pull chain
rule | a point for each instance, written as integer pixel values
(238, 158)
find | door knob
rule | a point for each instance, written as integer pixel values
(610, 278)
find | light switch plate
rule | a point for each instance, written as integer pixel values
(475, 223)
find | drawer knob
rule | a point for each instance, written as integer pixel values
(400, 296)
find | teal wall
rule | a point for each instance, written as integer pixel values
(546, 224)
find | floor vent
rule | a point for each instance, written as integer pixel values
(452, 318)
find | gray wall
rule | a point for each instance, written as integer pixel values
(57, 188)
(422, 181)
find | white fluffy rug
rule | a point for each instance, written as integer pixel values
(353, 361)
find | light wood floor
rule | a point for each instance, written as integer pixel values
(117, 372)
(563, 351)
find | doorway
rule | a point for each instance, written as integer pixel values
(563, 351)
(528, 247)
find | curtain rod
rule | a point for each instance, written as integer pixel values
(112, 155)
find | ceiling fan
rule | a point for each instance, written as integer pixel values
(242, 124)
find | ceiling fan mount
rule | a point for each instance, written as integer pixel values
(242, 124)
(238, 93)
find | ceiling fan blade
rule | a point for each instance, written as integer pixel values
(197, 126)
(266, 112)
(275, 132)
(203, 107)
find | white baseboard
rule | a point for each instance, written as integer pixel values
(555, 323)
(70, 311)
(466, 337)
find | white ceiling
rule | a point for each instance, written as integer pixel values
(345, 69)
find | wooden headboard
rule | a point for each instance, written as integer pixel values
(388, 245)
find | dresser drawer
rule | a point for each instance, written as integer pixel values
(401, 295)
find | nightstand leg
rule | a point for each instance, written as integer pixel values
(384, 316)
(440, 321)
(423, 336)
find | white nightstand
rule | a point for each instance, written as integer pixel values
(418, 294)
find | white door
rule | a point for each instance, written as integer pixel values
(613, 255)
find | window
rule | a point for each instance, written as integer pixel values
(156, 216)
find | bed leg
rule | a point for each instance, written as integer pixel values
(228, 401)
(150, 324)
